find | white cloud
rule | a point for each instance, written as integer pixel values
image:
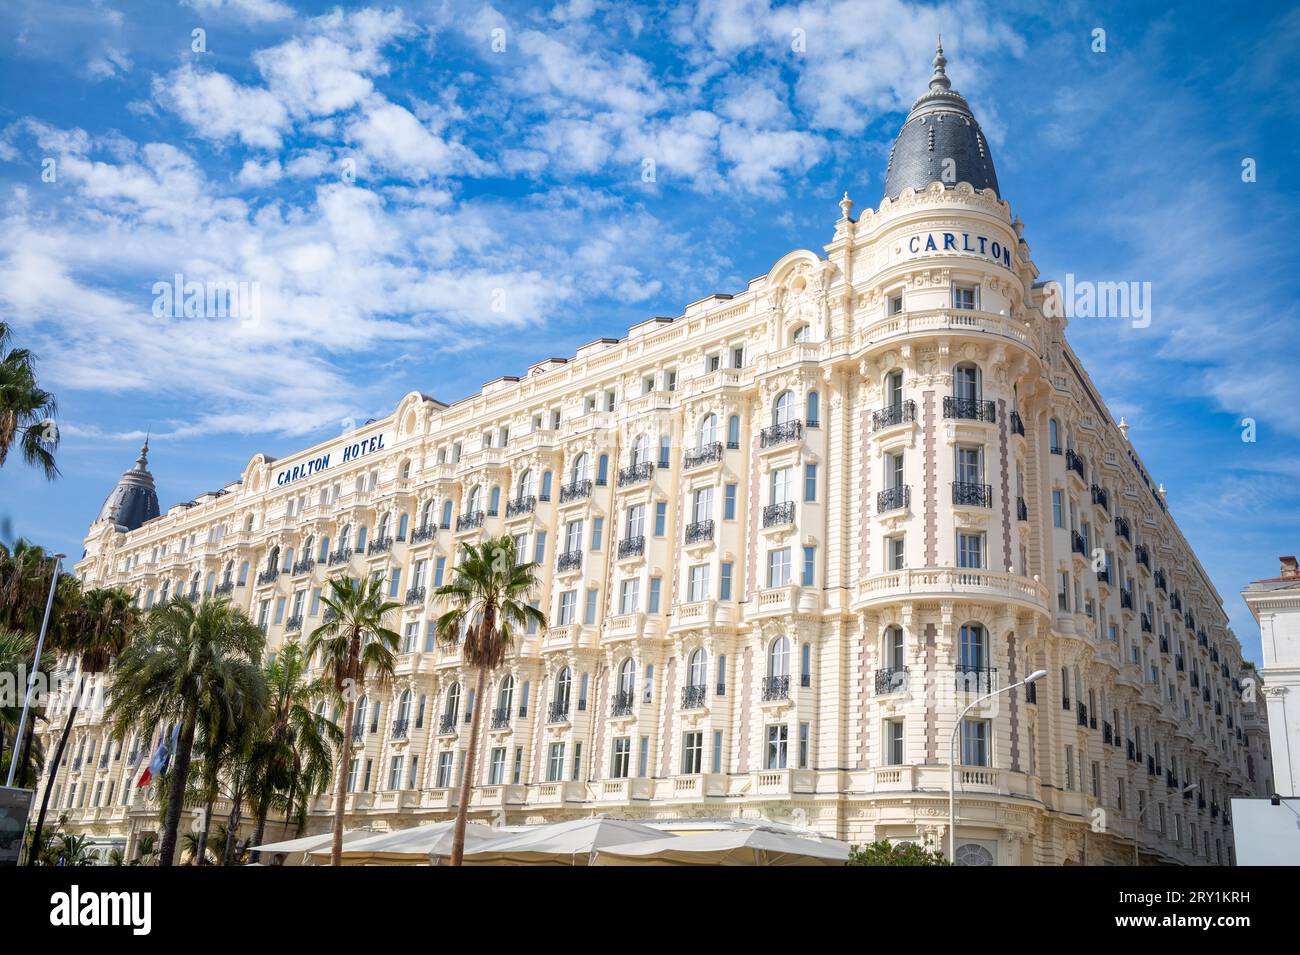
(220, 109)
(254, 11)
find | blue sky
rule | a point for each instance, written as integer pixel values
(427, 202)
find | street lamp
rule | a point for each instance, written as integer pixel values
(1137, 823)
(31, 678)
(952, 757)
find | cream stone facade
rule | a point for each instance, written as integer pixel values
(783, 538)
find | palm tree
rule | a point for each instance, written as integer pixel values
(353, 645)
(144, 851)
(72, 849)
(489, 601)
(293, 755)
(96, 631)
(15, 657)
(26, 410)
(188, 666)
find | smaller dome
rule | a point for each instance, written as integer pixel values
(134, 500)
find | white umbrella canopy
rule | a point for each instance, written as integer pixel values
(312, 843)
(410, 846)
(561, 843)
(728, 847)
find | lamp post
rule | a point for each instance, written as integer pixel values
(36, 666)
(952, 757)
(1137, 824)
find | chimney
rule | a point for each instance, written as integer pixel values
(1289, 567)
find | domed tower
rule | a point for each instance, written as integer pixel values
(134, 500)
(941, 141)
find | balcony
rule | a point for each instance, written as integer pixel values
(1103, 576)
(225, 588)
(891, 415)
(1107, 735)
(400, 728)
(358, 731)
(1017, 425)
(970, 409)
(970, 679)
(693, 696)
(500, 718)
(1082, 714)
(340, 556)
(706, 454)
(1031, 693)
(699, 531)
(447, 725)
(1022, 510)
(521, 505)
(1073, 462)
(1100, 497)
(425, 533)
(303, 566)
(631, 547)
(415, 596)
(1121, 528)
(1164, 645)
(1160, 580)
(780, 434)
(575, 491)
(1126, 599)
(1146, 624)
(635, 473)
(972, 495)
(569, 560)
(894, 498)
(623, 704)
(777, 514)
(558, 712)
(1077, 544)
(380, 545)
(467, 522)
(268, 576)
(776, 688)
(891, 680)
(294, 623)
(1141, 556)
(1179, 664)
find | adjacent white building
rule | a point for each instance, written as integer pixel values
(1275, 602)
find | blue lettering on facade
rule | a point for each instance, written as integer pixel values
(989, 248)
(316, 465)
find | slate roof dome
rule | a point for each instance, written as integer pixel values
(134, 500)
(940, 126)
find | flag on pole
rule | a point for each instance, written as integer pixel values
(158, 762)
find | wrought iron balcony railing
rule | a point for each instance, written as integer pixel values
(776, 688)
(1073, 462)
(1146, 623)
(303, 566)
(1103, 575)
(558, 712)
(467, 522)
(970, 409)
(1099, 496)
(699, 531)
(1141, 556)
(293, 623)
(623, 704)
(1121, 528)
(399, 729)
(1022, 511)
(1017, 425)
(415, 595)
(971, 679)
(635, 473)
(705, 454)
(521, 505)
(891, 415)
(575, 491)
(631, 547)
(225, 588)
(894, 498)
(426, 533)
(891, 680)
(775, 514)
(447, 724)
(340, 556)
(1126, 599)
(569, 560)
(380, 545)
(1077, 543)
(268, 576)
(977, 495)
(501, 718)
(693, 696)
(780, 433)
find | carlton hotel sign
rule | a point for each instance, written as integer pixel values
(349, 452)
(928, 243)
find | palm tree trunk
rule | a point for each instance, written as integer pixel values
(180, 776)
(467, 780)
(259, 829)
(232, 825)
(27, 751)
(336, 848)
(207, 825)
(54, 771)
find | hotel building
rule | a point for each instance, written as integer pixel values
(783, 539)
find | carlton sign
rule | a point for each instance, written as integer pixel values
(967, 243)
(349, 452)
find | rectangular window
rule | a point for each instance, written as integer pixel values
(778, 567)
(729, 503)
(497, 767)
(589, 611)
(895, 304)
(635, 522)
(894, 553)
(717, 751)
(577, 762)
(782, 486)
(597, 530)
(279, 610)
(621, 758)
(970, 550)
(439, 571)
(1058, 508)
(975, 742)
(963, 296)
(969, 466)
(724, 590)
(656, 585)
(1069, 767)
(573, 537)
(803, 745)
(894, 743)
(738, 357)
(395, 773)
(630, 596)
(555, 763)
(568, 607)
(810, 482)
(692, 753)
(643, 757)
(518, 773)
(539, 547)
(394, 582)
(698, 583)
(777, 743)
(809, 566)
(661, 518)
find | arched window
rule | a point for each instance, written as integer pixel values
(404, 707)
(783, 408)
(966, 382)
(345, 537)
(733, 431)
(581, 466)
(382, 532)
(972, 854)
(697, 669)
(288, 559)
(626, 679)
(894, 389)
(361, 539)
(563, 686)
(475, 500)
(452, 705)
(778, 657)
(524, 486)
(494, 501)
(974, 648)
(359, 718)
(800, 334)
(324, 549)
(546, 486)
(426, 515)
(1054, 435)
(812, 410)
(640, 450)
(505, 695)
(602, 470)
(226, 574)
(309, 546)
(805, 665)
(446, 513)
(273, 559)
(708, 430)
(402, 524)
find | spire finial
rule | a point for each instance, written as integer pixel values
(939, 81)
(846, 205)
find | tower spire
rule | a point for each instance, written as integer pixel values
(939, 81)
